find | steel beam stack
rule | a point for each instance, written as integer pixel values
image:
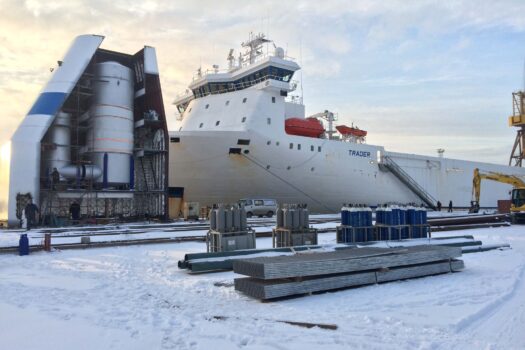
(276, 277)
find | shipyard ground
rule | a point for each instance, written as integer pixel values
(137, 298)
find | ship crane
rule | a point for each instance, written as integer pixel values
(517, 119)
(517, 209)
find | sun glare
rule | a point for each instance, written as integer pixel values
(5, 152)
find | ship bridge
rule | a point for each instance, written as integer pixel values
(251, 68)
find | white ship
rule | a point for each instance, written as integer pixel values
(243, 134)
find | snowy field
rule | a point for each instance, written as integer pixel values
(136, 298)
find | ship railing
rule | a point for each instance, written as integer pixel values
(230, 87)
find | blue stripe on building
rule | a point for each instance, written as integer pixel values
(48, 103)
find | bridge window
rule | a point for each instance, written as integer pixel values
(299, 146)
(312, 148)
(318, 148)
(291, 145)
(277, 143)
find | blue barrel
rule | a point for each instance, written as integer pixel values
(412, 220)
(387, 220)
(396, 220)
(23, 245)
(424, 230)
(416, 229)
(370, 236)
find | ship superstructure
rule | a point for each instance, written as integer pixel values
(242, 134)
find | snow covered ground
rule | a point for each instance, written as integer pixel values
(136, 298)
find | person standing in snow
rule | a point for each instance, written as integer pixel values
(438, 206)
(30, 212)
(450, 207)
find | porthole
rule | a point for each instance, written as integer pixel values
(288, 167)
(207, 106)
(244, 100)
(217, 123)
(268, 142)
(243, 119)
(200, 125)
(312, 169)
(267, 167)
(246, 151)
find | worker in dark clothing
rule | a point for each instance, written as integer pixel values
(439, 206)
(74, 210)
(450, 207)
(55, 178)
(30, 211)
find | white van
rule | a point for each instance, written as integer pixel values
(259, 207)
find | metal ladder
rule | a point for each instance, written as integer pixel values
(388, 164)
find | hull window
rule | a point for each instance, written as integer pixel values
(235, 151)
(318, 148)
(217, 123)
(207, 106)
(291, 145)
(273, 99)
(298, 146)
(200, 125)
(243, 142)
(174, 139)
(244, 100)
(227, 103)
(269, 121)
(312, 148)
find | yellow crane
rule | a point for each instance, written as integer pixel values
(517, 207)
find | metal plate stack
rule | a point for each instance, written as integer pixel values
(277, 277)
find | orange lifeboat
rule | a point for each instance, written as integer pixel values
(350, 131)
(309, 127)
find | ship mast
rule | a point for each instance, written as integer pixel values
(253, 47)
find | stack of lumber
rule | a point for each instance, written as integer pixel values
(282, 276)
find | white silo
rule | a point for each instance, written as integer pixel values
(111, 121)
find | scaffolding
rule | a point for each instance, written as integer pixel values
(145, 197)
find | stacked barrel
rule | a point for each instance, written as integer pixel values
(356, 223)
(396, 222)
(393, 222)
(229, 229)
(293, 217)
(293, 227)
(225, 218)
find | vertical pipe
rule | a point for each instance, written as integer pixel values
(105, 174)
(131, 172)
